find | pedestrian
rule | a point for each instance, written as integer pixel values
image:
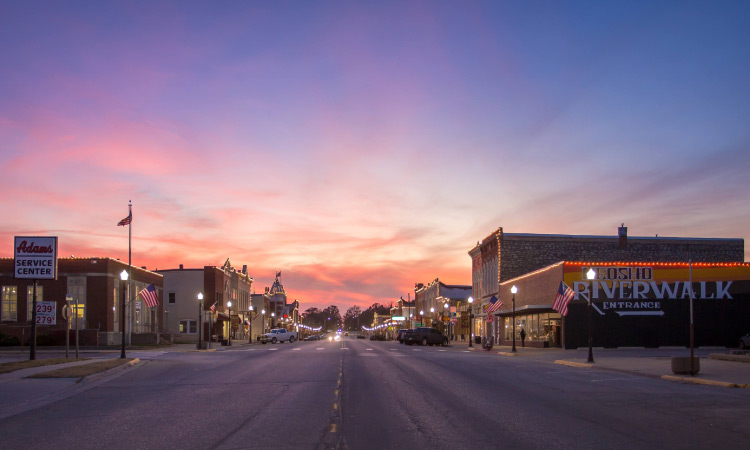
(523, 337)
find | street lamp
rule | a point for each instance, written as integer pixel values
(250, 329)
(591, 274)
(264, 321)
(200, 322)
(273, 314)
(229, 331)
(470, 300)
(514, 290)
(123, 277)
(421, 316)
(447, 313)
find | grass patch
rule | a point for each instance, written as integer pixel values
(84, 370)
(19, 365)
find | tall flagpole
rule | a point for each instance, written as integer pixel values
(130, 275)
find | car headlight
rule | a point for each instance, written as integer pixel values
(330, 338)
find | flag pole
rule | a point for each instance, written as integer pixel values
(130, 275)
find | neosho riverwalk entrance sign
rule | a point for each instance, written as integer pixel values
(35, 258)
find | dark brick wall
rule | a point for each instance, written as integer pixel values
(520, 254)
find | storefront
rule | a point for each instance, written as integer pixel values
(633, 304)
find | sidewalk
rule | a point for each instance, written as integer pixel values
(718, 367)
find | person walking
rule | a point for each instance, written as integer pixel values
(523, 337)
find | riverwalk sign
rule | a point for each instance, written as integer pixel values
(35, 257)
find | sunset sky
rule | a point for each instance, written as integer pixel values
(361, 147)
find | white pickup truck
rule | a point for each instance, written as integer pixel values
(279, 335)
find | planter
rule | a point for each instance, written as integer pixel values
(681, 365)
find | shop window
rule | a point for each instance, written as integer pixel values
(30, 299)
(10, 304)
(188, 326)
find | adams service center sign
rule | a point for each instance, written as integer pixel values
(35, 257)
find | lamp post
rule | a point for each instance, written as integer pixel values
(200, 322)
(421, 316)
(229, 330)
(264, 321)
(513, 291)
(470, 300)
(123, 277)
(273, 314)
(448, 315)
(591, 274)
(250, 328)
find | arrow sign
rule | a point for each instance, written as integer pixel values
(640, 313)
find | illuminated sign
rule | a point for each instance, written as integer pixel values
(398, 318)
(35, 257)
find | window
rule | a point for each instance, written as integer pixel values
(10, 303)
(188, 326)
(172, 298)
(77, 292)
(30, 299)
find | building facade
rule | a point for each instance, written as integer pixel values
(94, 290)
(634, 304)
(502, 256)
(225, 288)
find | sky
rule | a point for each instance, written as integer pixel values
(360, 147)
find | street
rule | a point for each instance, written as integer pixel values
(358, 394)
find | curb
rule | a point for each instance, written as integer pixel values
(507, 354)
(704, 382)
(563, 362)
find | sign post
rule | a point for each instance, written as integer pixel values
(35, 258)
(67, 313)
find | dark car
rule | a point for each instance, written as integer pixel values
(314, 337)
(401, 333)
(425, 336)
(377, 337)
(745, 342)
(361, 336)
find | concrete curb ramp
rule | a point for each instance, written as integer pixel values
(574, 364)
(702, 381)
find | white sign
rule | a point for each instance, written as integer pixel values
(35, 257)
(46, 313)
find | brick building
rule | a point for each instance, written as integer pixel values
(94, 283)
(503, 256)
(635, 304)
(220, 287)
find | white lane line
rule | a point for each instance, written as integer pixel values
(441, 350)
(369, 349)
(272, 349)
(296, 349)
(320, 348)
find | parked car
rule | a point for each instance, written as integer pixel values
(400, 335)
(377, 337)
(279, 335)
(313, 337)
(425, 336)
(361, 336)
(745, 341)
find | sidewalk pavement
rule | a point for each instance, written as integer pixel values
(718, 366)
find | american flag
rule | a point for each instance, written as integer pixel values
(563, 297)
(213, 307)
(494, 305)
(126, 221)
(149, 296)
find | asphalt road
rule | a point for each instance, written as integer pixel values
(358, 394)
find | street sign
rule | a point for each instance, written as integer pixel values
(35, 257)
(46, 313)
(67, 312)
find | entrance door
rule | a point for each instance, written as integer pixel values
(553, 331)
